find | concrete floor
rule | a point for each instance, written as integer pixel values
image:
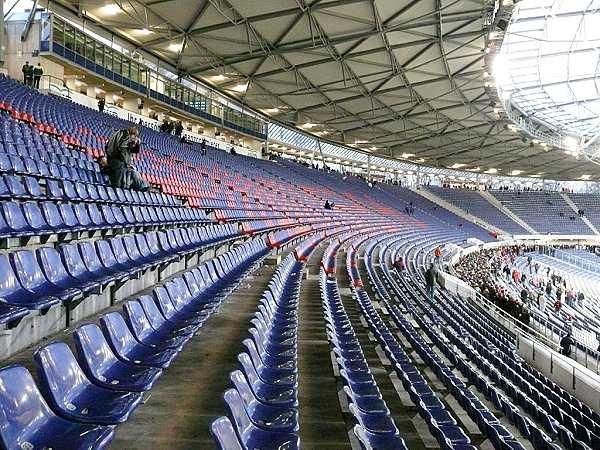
(188, 397)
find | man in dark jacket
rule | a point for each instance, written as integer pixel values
(430, 282)
(119, 151)
(37, 73)
(565, 344)
(27, 70)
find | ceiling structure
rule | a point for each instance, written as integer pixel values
(393, 77)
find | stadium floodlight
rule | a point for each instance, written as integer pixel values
(547, 73)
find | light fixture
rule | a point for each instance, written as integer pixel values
(271, 110)
(219, 78)
(457, 165)
(491, 170)
(571, 143)
(585, 177)
(110, 9)
(308, 125)
(175, 47)
(143, 32)
(241, 87)
(97, 90)
(516, 172)
(407, 155)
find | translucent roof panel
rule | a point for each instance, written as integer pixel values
(549, 62)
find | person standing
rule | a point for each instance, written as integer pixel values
(27, 73)
(38, 71)
(101, 104)
(438, 255)
(430, 282)
(203, 147)
(140, 105)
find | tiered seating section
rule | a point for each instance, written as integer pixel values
(69, 239)
(544, 211)
(473, 203)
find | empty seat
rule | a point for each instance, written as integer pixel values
(73, 395)
(252, 436)
(102, 366)
(13, 292)
(128, 349)
(21, 402)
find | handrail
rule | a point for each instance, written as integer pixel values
(54, 85)
(573, 259)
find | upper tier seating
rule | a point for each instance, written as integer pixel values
(544, 211)
(472, 202)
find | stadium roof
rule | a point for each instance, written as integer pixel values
(391, 76)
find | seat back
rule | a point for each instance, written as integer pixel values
(155, 317)
(224, 434)
(28, 270)
(14, 216)
(136, 319)
(117, 334)
(10, 284)
(52, 215)
(90, 257)
(60, 375)
(52, 265)
(164, 302)
(23, 411)
(93, 352)
(237, 412)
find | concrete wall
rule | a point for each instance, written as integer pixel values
(575, 379)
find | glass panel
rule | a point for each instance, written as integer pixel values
(89, 49)
(79, 43)
(69, 38)
(58, 31)
(99, 56)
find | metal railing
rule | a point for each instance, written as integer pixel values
(572, 259)
(55, 86)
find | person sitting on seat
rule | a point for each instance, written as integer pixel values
(119, 151)
(399, 265)
(327, 205)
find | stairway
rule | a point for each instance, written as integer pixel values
(575, 208)
(495, 202)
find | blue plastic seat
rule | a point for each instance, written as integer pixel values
(159, 322)
(34, 218)
(15, 220)
(56, 274)
(143, 331)
(251, 436)
(224, 434)
(128, 349)
(266, 416)
(73, 395)
(10, 315)
(13, 292)
(374, 441)
(21, 402)
(102, 366)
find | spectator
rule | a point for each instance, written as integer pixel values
(399, 265)
(178, 129)
(101, 104)
(140, 105)
(524, 295)
(37, 73)
(327, 205)
(580, 299)
(203, 147)
(430, 282)
(565, 344)
(438, 254)
(557, 305)
(119, 152)
(27, 71)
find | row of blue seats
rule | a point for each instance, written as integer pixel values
(375, 426)
(47, 218)
(39, 168)
(37, 280)
(263, 405)
(80, 398)
(492, 366)
(26, 187)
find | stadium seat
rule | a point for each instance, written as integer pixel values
(20, 400)
(102, 366)
(73, 395)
